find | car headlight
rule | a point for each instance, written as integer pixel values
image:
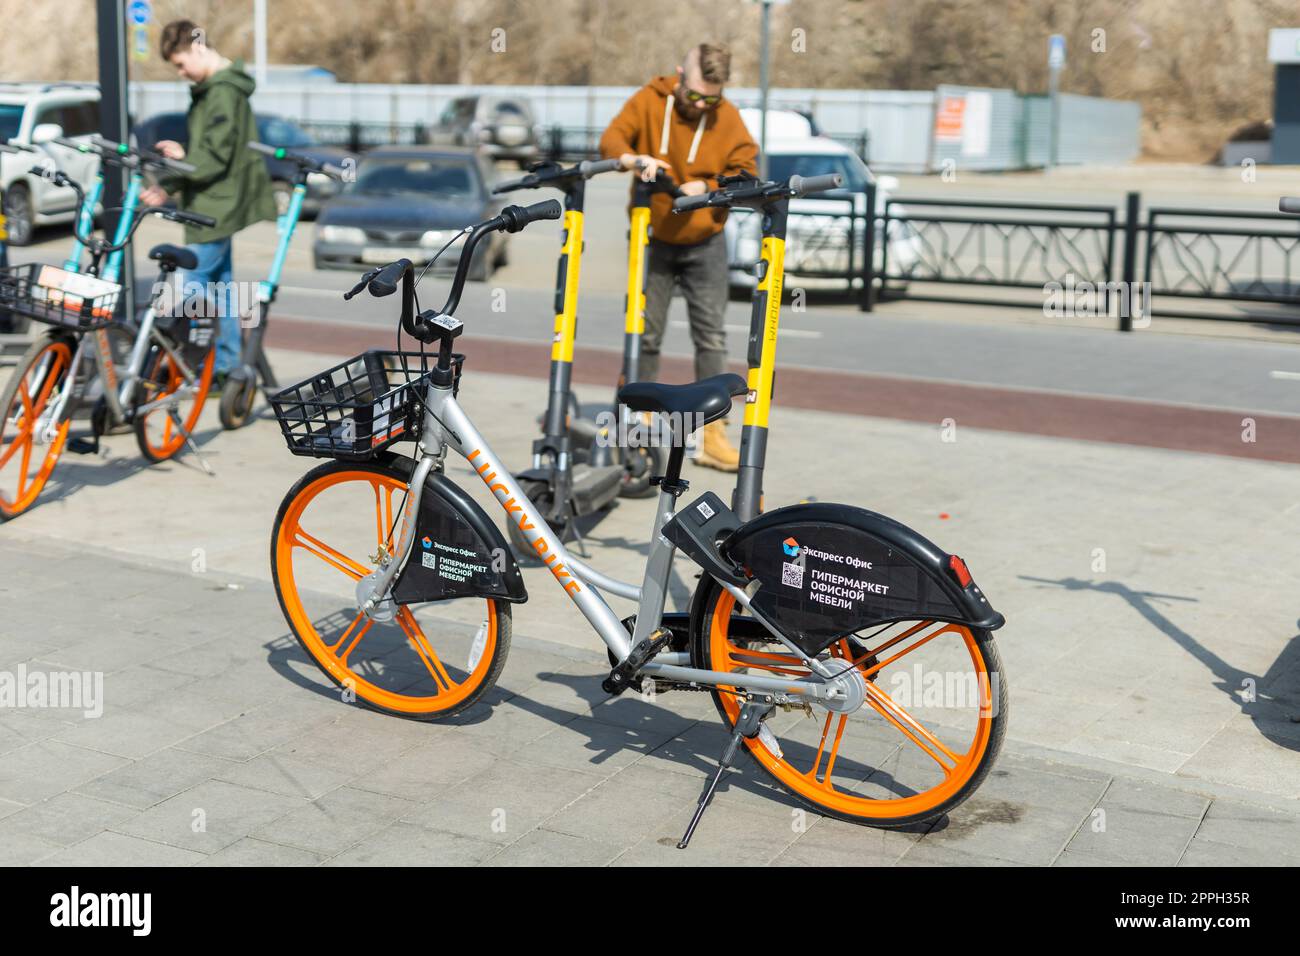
(436, 237)
(348, 234)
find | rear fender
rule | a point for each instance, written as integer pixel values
(828, 570)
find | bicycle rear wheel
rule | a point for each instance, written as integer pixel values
(161, 431)
(431, 660)
(920, 737)
(30, 445)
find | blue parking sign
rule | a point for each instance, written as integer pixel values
(139, 12)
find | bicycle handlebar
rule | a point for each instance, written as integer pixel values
(548, 174)
(302, 161)
(1289, 204)
(122, 155)
(382, 281)
(744, 191)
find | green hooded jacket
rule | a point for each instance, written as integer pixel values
(229, 182)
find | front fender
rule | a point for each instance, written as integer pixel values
(458, 550)
(828, 570)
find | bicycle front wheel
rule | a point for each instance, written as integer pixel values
(920, 731)
(161, 431)
(30, 444)
(431, 660)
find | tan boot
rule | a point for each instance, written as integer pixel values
(716, 451)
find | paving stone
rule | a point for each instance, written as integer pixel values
(404, 844)
(1135, 836)
(249, 852)
(118, 850)
(48, 767)
(617, 812)
(333, 822)
(228, 813)
(542, 847)
(143, 783)
(828, 842)
(64, 819)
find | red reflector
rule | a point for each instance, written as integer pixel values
(959, 569)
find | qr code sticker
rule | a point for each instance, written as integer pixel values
(791, 575)
(704, 509)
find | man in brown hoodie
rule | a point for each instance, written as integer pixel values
(681, 123)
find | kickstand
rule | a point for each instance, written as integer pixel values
(189, 440)
(747, 725)
(578, 539)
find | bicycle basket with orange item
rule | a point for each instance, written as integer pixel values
(45, 293)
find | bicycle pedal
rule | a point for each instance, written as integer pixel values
(620, 678)
(83, 446)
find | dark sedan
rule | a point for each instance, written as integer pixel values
(274, 131)
(407, 202)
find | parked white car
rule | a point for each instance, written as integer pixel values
(817, 249)
(33, 114)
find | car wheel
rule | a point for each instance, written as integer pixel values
(19, 216)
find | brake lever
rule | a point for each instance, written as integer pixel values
(365, 281)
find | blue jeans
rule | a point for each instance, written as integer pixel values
(214, 278)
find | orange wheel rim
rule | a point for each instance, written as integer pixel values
(816, 782)
(18, 445)
(166, 379)
(333, 654)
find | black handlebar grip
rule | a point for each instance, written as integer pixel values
(1289, 204)
(690, 203)
(803, 185)
(511, 185)
(594, 167)
(197, 219)
(516, 217)
(385, 283)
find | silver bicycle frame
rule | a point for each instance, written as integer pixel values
(446, 425)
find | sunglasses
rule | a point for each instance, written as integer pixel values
(693, 97)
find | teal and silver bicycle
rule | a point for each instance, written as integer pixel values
(241, 388)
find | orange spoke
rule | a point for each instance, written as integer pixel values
(744, 657)
(905, 651)
(24, 437)
(27, 460)
(408, 624)
(910, 727)
(330, 556)
(891, 642)
(343, 657)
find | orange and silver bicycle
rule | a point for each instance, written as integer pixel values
(852, 658)
(158, 392)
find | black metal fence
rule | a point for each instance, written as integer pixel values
(1123, 265)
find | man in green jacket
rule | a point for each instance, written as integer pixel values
(229, 182)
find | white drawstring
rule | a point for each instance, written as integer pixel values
(695, 143)
(668, 118)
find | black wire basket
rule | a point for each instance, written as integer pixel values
(55, 296)
(358, 408)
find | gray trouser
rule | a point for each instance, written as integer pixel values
(702, 271)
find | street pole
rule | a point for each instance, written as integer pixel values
(114, 122)
(259, 42)
(762, 96)
(1055, 61)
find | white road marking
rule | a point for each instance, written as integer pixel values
(1289, 376)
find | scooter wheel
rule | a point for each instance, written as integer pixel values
(639, 466)
(237, 400)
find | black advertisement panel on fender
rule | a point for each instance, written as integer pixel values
(822, 581)
(449, 559)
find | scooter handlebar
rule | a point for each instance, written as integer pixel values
(1289, 204)
(594, 167)
(803, 185)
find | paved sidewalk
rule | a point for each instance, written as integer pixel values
(1149, 597)
(213, 713)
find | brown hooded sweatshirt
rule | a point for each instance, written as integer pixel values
(716, 145)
